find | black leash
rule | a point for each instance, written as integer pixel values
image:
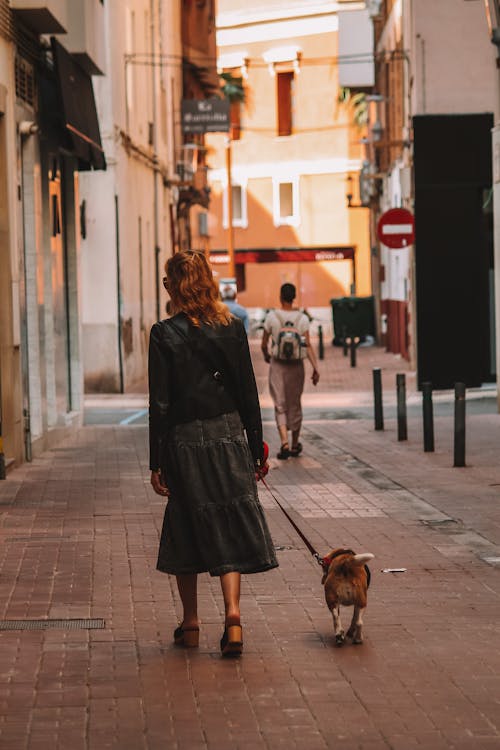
(319, 559)
(325, 564)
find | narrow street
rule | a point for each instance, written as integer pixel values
(86, 652)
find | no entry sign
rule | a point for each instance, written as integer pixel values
(396, 228)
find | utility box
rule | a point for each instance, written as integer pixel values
(353, 317)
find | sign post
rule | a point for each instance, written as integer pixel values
(396, 228)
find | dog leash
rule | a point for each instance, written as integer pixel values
(319, 559)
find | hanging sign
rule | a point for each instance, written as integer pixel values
(205, 115)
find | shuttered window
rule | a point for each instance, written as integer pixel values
(284, 83)
(235, 116)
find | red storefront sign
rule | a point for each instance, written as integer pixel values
(284, 255)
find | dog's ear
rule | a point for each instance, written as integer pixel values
(363, 558)
(323, 579)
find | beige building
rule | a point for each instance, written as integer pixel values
(128, 208)
(49, 134)
(138, 212)
(293, 149)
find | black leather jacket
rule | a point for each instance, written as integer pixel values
(182, 386)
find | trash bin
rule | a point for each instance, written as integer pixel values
(352, 317)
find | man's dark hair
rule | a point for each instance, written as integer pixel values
(288, 292)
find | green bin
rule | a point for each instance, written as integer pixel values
(353, 317)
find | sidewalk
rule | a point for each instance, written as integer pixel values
(79, 530)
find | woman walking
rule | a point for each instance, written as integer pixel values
(202, 395)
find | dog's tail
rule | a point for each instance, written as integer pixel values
(363, 558)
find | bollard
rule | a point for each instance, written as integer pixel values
(377, 398)
(352, 347)
(321, 347)
(428, 415)
(344, 340)
(3, 473)
(459, 442)
(401, 394)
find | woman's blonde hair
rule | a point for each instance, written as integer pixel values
(193, 290)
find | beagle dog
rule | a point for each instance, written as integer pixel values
(346, 578)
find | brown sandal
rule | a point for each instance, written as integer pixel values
(187, 637)
(231, 643)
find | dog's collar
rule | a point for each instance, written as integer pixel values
(325, 562)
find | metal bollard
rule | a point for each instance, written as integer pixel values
(321, 347)
(459, 435)
(428, 415)
(401, 394)
(352, 347)
(3, 472)
(377, 398)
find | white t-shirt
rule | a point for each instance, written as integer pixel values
(276, 319)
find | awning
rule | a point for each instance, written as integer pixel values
(284, 255)
(78, 108)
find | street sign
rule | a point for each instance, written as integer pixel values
(396, 228)
(205, 115)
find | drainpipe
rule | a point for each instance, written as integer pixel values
(155, 160)
(119, 296)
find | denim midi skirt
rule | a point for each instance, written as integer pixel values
(213, 520)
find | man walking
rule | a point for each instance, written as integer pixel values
(288, 329)
(229, 299)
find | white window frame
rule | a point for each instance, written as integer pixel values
(294, 219)
(242, 223)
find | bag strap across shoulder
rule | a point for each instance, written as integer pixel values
(203, 354)
(280, 313)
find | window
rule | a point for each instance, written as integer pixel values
(240, 219)
(286, 203)
(284, 87)
(235, 118)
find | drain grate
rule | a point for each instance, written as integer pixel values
(71, 624)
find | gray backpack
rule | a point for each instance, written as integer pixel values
(289, 341)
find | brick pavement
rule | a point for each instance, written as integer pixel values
(79, 530)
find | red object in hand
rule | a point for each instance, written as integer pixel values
(264, 468)
(265, 453)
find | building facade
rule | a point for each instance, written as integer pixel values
(138, 212)
(293, 148)
(49, 135)
(437, 96)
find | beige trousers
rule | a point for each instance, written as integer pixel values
(286, 383)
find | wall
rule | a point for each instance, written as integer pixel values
(10, 334)
(122, 262)
(454, 61)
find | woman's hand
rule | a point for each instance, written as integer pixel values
(158, 484)
(315, 377)
(261, 471)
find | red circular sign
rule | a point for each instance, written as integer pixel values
(396, 228)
